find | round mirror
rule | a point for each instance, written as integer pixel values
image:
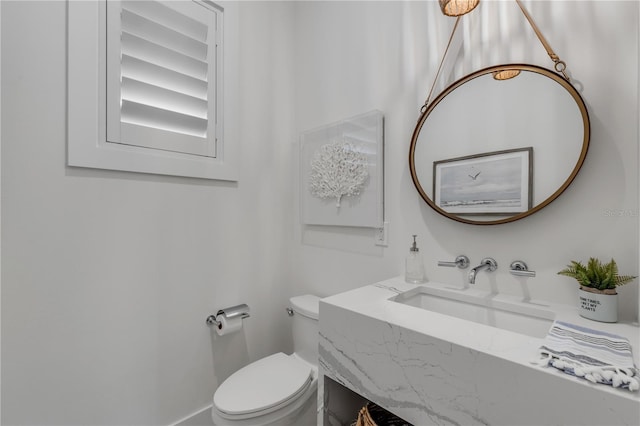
(489, 150)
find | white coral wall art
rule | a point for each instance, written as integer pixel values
(338, 169)
(341, 173)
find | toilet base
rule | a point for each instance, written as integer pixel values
(304, 415)
(307, 415)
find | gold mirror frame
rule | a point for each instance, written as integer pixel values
(523, 67)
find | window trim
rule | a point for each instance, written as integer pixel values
(86, 84)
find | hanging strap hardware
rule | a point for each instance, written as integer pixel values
(559, 65)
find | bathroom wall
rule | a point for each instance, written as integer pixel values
(352, 57)
(107, 277)
(0, 212)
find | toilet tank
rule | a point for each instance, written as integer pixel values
(305, 327)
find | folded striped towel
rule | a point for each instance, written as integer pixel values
(591, 354)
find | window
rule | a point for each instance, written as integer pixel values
(155, 102)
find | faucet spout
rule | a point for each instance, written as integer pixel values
(487, 263)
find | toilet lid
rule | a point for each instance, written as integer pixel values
(263, 386)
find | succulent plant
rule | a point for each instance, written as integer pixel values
(596, 275)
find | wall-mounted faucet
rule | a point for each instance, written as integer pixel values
(487, 263)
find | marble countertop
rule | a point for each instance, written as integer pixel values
(375, 301)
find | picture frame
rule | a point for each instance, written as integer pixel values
(490, 183)
(363, 137)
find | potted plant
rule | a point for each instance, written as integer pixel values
(598, 282)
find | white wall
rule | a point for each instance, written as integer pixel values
(0, 209)
(352, 57)
(108, 276)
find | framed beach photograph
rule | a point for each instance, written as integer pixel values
(498, 182)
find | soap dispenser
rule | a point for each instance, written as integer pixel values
(414, 267)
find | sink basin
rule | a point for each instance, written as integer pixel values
(482, 307)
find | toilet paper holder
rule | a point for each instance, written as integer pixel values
(241, 311)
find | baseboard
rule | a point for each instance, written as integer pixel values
(201, 417)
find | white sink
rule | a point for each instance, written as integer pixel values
(482, 307)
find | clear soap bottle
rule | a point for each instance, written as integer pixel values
(414, 267)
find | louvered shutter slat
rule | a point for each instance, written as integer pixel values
(160, 97)
(140, 70)
(145, 115)
(163, 36)
(164, 57)
(168, 17)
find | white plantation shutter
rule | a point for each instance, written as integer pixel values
(163, 75)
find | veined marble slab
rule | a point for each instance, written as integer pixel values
(433, 369)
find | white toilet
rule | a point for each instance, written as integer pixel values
(279, 389)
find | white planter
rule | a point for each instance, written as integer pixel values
(598, 306)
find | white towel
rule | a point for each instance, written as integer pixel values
(591, 354)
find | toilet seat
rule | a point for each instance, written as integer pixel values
(263, 386)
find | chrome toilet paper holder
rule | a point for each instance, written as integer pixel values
(241, 311)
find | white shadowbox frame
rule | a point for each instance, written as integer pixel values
(362, 141)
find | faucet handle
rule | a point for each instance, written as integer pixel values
(519, 268)
(461, 262)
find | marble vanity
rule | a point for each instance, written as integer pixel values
(378, 343)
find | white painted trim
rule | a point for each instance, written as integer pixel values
(87, 146)
(201, 417)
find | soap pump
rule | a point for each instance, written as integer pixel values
(414, 268)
